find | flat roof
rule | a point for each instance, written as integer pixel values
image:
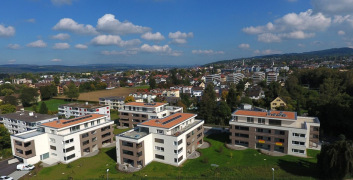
(29, 134)
(268, 114)
(142, 104)
(169, 121)
(61, 123)
(25, 116)
(79, 105)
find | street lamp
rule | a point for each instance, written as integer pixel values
(108, 171)
(273, 173)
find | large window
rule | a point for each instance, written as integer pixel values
(159, 131)
(69, 149)
(242, 128)
(53, 148)
(159, 156)
(261, 120)
(159, 148)
(250, 119)
(241, 135)
(69, 141)
(128, 152)
(66, 158)
(75, 128)
(273, 122)
(159, 140)
(128, 144)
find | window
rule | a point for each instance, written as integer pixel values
(86, 125)
(26, 144)
(18, 143)
(92, 123)
(261, 120)
(75, 128)
(54, 154)
(128, 152)
(178, 143)
(315, 128)
(298, 151)
(19, 151)
(299, 135)
(98, 121)
(241, 135)
(279, 140)
(93, 132)
(69, 149)
(242, 128)
(66, 158)
(29, 152)
(159, 148)
(160, 131)
(69, 141)
(250, 120)
(159, 156)
(279, 132)
(94, 139)
(85, 142)
(53, 148)
(127, 144)
(236, 118)
(159, 140)
(242, 143)
(85, 135)
(274, 122)
(178, 151)
(52, 140)
(298, 143)
(178, 160)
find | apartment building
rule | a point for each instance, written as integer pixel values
(275, 131)
(258, 77)
(114, 102)
(213, 78)
(168, 140)
(234, 78)
(63, 140)
(136, 112)
(23, 121)
(271, 77)
(77, 110)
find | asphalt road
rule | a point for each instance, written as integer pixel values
(6, 169)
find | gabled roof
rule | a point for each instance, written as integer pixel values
(169, 121)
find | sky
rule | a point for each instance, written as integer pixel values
(167, 32)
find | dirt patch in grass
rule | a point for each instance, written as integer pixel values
(95, 95)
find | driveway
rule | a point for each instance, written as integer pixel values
(18, 174)
(6, 169)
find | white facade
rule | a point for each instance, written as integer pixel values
(258, 77)
(77, 110)
(112, 102)
(235, 78)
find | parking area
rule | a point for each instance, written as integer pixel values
(6, 169)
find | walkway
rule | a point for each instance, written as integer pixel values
(128, 168)
(194, 155)
(205, 145)
(235, 147)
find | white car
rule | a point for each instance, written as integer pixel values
(6, 178)
(24, 167)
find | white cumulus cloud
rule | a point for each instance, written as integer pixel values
(68, 24)
(341, 33)
(109, 24)
(244, 46)
(13, 46)
(105, 40)
(7, 31)
(61, 36)
(37, 44)
(81, 46)
(180, 37)
(207, 52)
(333, 6)
(125, 52)
(267, 52)
(11, 61)
(153, 37)
(61, 46)
(163, 50)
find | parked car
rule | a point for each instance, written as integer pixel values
(24, 167)
(6, 178)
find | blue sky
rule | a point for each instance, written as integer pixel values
(175, 32)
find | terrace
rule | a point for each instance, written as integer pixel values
(186, 128)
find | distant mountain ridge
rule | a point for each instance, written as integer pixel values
(345, 51)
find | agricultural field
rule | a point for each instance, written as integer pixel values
(95, 95)
(52, 104)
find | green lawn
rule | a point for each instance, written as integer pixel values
(52, 104)
(246, 164)
(142, 87)
(118, 131)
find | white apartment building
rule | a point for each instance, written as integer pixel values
(77, 110)
(258, 77)
(63, 140)
(136, 112)
(23, 121)
(213, 78)
(114, 102)
(234, 78)
(275, 131)
(271, 77)
(168, 140)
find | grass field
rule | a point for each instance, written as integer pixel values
(246, 164)
(95, 95)
(52, 104)
(118, 131)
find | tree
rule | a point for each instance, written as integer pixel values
(47, 92)
(240, 86)
(222, 113)
(56, 80)
(232, 98)
(129, 99)
(71, 91)
(335, 161)
(7, 92)
(224, 95)
(5, 141)
(28, 96)
(181, 104)
(7, 108)
(152, 83)
(207, 104)
(10, 100)
(43, 108)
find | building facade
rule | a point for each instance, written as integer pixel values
(271, 77)
(77, 110)
(275, 131)
(114, 102)
(23, 121)
(278, 102)
(168, 140)
(63, 140)
(258, 77)
(234, 78)
(134, 113)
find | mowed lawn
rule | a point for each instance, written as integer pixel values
(52, 104)
(245, 164)
(95, 95)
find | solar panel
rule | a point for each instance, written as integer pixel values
(170, 120)
(77, 119)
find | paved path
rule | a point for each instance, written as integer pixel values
(18, 174)
(6, 169)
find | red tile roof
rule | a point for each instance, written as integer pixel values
(156, 104)
(61, 123)
(271, 114)
(179, 117)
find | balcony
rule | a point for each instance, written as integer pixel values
(188, 127)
